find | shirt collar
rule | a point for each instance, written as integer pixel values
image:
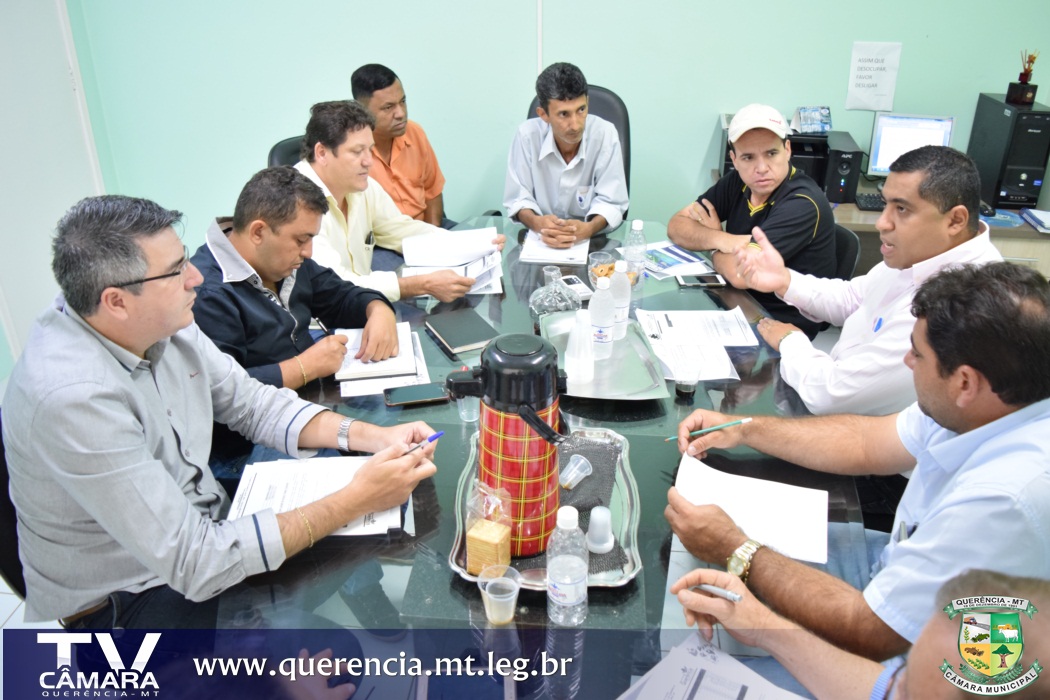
(954, 451)
(308, 170)
(925, 269)
(128, 360)
(549, 147)
(233, 265)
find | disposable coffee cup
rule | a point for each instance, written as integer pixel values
(469, 408)
(499, 585)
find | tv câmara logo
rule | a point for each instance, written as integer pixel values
(991, 643)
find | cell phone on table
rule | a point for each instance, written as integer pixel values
(712, 279)
(415, 395)
(579, 286)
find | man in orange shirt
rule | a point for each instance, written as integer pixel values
(405, 164)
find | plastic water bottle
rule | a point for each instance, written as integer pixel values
(620, 286)
(567, 561)
(634, 250)
(579, 355)
(603, 319)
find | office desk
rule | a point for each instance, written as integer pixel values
(1023, 244)
(414, 570)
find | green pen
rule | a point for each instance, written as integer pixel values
(713, 428)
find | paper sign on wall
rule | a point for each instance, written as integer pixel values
(873, 75)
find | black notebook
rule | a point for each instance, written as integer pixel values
(461, 330)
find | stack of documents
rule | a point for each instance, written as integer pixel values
(697, 337)
(534, 250)
(287, 484)
(403, 363)
(467, 253)
(368, 387)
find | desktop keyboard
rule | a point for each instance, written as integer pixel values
(870, 201)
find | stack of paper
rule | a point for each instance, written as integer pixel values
(467, 253)
(664, 259)
(404, 363)
(534, 250)
(368, 387)
(287, 484)
(697, 337)
(791, 519)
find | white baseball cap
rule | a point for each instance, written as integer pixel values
(756, 116)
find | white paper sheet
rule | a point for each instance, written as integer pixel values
(698, 669)
(448, 248)
(873, 68)
(368, 387)
(404, 363)
(487, 272)
(286, 484)
(534, 250)
(791, 519)
(726, 328)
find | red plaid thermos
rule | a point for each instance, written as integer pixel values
(519, 382)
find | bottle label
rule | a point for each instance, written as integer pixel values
(572, 593)
(622, 312)
(603, 334)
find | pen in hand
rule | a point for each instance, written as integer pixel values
(323, 328)
(713, 428)
(720, 592)
(430, 439)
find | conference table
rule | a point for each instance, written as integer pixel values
(628, 627)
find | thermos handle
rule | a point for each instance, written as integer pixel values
(529, 415)
(464, 383)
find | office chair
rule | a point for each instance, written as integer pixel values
(606, 104)
(285, 152)
(10, 563)
(847, 252)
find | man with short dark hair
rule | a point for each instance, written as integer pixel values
(565, 176)
(404, 162)
(107, 424)
(765, 190)
(930, 221)
(337, 157)
(261, 291)
(977, 439)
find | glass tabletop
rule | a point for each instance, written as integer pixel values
(407, 581)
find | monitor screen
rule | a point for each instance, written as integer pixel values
(896, 134)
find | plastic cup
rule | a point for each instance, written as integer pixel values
(469, 408)
(499, 585)
(599, 264)
(685, 380)
(574, 472)
(599, 531)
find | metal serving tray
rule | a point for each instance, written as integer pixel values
(623, 503)
(631, 374)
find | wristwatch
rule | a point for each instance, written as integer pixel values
(739, 562)
(342, 437)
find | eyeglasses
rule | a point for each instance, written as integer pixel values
(183, 264)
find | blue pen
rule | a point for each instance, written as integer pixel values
(432, 438)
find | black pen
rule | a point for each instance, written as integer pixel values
(323, 328)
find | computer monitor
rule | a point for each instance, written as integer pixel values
(895, 134)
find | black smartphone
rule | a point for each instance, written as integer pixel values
(416, 394)
(707, 280)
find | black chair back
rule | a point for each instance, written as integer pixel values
(847, 252)
(285, 152)
(10, 563)
(606, 104)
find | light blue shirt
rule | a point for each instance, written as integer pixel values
(980, 500)
(592, 183)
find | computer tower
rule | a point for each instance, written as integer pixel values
(1010, 144)
(843, 168)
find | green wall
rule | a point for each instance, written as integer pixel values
(186, 98)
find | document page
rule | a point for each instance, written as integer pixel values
(534, 250)
(368, 387)
(486, 271)
(726, 328)
(791, 519)
(401, 364)
(286, 484)
(443, 249)
(677, 347)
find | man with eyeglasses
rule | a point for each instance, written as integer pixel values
(261, 290)
(107, 427)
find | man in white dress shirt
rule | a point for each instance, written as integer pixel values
(930, 221)
(565, 176)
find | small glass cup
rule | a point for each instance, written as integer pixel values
(686, 377)
(599, 264)
(499, 585)
(469, 408)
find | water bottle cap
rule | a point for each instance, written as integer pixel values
(636, 225)
(620, 266)
(602, 283)
(568, 518)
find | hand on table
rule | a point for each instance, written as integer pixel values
(747, 620)
(379, 337)
(773, 331)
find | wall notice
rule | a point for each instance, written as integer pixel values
(873, 75)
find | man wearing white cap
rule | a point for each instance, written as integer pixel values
(764, 190)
